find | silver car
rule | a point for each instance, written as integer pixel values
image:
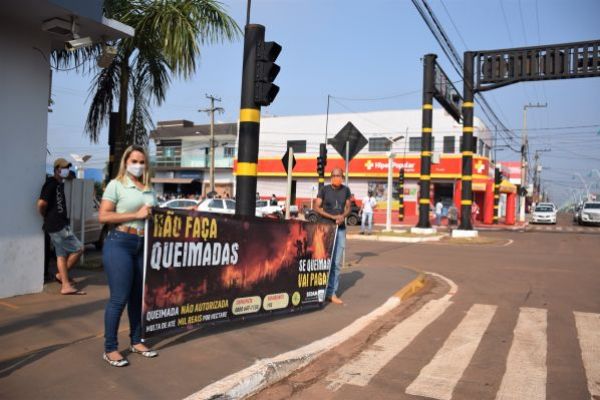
(590, 213)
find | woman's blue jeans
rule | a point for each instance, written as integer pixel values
(123, 260)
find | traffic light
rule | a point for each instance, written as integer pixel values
(320, 166)
(266, 72)
(323, 154)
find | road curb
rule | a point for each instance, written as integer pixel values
(381, 238)
(411, 288)
(266, 372)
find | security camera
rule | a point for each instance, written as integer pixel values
(78, 43)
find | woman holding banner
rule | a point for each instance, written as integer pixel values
(126, 204)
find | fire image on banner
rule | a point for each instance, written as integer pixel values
(202, 268)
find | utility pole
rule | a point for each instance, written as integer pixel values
(211, 111)
(524, 150)
(537, 175)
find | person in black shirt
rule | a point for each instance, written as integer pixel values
(52, 205)
(333, 205)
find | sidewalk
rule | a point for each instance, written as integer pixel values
(412, 221)
(52, 344)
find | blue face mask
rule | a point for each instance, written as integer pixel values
(64, 172)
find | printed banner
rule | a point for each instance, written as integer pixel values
(204, 267)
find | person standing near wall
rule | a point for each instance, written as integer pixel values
(52, 205)
(333, 205)
(126, 203)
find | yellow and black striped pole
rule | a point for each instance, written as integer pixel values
(497, 182)
(401, 194)
(467, 144)
(247, 160)
(425, 177)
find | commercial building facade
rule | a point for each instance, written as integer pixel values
(181, 161)
(369, 169)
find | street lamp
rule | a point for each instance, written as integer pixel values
(388, 216)
(585, 185)
(79, 161)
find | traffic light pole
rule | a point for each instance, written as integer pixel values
(401, 193)
(321, 163)
(425, 177)
(497, 182)
(249, 130)
(467, 149)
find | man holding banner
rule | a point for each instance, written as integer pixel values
(333, 204)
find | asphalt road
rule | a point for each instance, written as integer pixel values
(522, 323)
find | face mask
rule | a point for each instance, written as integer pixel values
(64, 172)
(135, 169)
(336, 181)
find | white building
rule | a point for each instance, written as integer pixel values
(368, 170)
(182, 160)
(25, 79)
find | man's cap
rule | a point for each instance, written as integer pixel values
(61, 163)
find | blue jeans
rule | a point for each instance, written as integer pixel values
(438, 219)
(367, 218)
(123, 259)
(336, 261)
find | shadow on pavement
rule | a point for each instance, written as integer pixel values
(347, 280)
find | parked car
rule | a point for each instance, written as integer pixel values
(180, 204)
(220, 206)
(353, 219)
(265, 208)
(576, 213)
(590, 213)
(543, 214)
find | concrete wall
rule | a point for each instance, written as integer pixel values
(24, 82)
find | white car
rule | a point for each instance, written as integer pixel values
(548, 205)
(264, 207)
(590, 213)
(179, 204)
(220, 206)
(543, 215)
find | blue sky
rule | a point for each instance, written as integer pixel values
(372, 49)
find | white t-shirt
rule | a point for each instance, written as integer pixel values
(439, 207)
(368, 204)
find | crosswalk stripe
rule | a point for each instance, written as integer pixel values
(526, 372)
(588, 333)
(360, 370)
(558, 228)
(438, 378)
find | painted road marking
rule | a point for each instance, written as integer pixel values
(588, 333)
(438, 378)
(526, 371)
(367, 364)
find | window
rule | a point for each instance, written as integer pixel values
(216, 204)
(414, 143)
(299, 146)
(230, 204)
(229, 152)
(379, 144)
(449, 142)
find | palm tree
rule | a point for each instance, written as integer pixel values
(168, 36)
